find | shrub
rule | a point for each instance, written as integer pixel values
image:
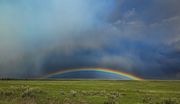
(93, 93)
(28, 93)
(62, 92)
(115, 93)
(6, 93)
(147, 100)
(31, 92)
(27, 101)
(168, 101)
(73, 93)
(110, 102)
(74, 101)
(112, 99)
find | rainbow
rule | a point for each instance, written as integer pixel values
(106, 70)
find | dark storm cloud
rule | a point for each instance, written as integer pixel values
(140, 37)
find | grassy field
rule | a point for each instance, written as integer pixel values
(89, 92)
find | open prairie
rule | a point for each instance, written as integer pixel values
(89, 92)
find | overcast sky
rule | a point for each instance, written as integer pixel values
(140, 37)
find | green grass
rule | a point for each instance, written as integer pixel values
(89, 92)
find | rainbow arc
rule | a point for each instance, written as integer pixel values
(106, 70)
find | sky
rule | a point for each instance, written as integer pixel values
(140, 37)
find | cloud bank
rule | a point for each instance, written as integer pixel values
(138, 37)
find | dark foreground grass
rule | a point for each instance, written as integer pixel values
(89, 92)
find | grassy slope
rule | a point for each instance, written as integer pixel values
(131, 92)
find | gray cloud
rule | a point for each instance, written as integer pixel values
(39, 37)
(31, 29)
